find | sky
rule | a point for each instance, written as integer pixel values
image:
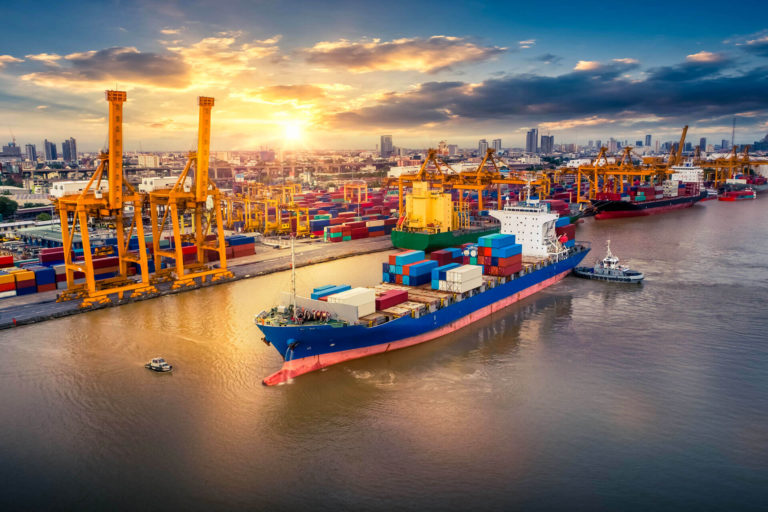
(338, 74)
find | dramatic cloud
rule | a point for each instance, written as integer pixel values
(121, 64)
(282, 94)
(48, 58)
(429, 55)
(595, 94)
(224, 55)
(587, 65)
(5, 59)
(758, 46)
(703, 56)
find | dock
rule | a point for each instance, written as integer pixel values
(39, 307)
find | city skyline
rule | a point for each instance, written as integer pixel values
(338, 77)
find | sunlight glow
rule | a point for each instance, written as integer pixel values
(293, 132)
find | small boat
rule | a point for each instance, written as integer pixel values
(609, 270)
(737, 195)
(158, 364)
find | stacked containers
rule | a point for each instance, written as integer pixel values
(6, 261)
(45, 277)
(464, 278)
(469, 254)
(499, 255)
(240, 245)
(415, 274)
(25, 281)
(394, 271)
(439, 276)
(363, 298)
(446, 256)
(7, 285)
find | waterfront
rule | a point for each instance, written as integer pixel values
(587, 395)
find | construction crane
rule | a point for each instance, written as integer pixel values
(90, 204)
(202, 200)
(439, 175)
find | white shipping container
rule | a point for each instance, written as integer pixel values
(464, 273)
(465, 286)
(363, 298)
(10, 293)
(65, 188)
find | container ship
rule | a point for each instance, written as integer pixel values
(682, 190)
(422, 299)
(433, 221)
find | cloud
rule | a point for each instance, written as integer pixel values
(41, 107)
(170, 31)
(703, 56)
(527, 43)
(548, 58)
(47, 58)
(5, 59)
(592, 95)
(431, 55)
(224, 55)
(587, 65)
(127, 65)
(759, 45)
(626, 60)
(282, 93)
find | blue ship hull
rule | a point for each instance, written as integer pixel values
(303, 346)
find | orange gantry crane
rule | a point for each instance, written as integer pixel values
(121, 199)
(202, 199)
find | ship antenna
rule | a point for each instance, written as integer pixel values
(293, 276)
(609, 249)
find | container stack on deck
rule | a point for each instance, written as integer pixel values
(410, 268)
(498, 255)
(566, 232)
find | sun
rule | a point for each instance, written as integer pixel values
(293, 132)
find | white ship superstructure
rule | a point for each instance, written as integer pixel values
(532, 224)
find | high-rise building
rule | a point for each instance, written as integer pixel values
(482, 147)
(638, 143)
(12, 150)
(66, 153)
(688, 146)
(590, 144)
(647, 140)
(442, 148)
(50, 150)
(148, 161)
(31, 152)
(703, 143)
(386, 146)
(547, 144)
(598, 144)
(497, 145)
(531, 141)
(613, 145)
(453, 149)
(725, 145)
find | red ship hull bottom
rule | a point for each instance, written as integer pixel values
(642, 213)
(296, 367)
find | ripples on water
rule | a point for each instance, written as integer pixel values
(586, 396)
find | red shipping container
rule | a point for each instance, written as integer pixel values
(7, 287)
(372, 234)
(407, 268)
(391, 298)
(6, 261)
(512, 260)
(398, 279)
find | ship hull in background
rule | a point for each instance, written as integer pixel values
(621, 209)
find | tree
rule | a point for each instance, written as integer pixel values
(43, 216)
(7, 207)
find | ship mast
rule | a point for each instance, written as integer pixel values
(293, 276)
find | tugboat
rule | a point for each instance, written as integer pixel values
(609, 270)
(158, 364)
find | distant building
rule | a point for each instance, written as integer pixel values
(638, 143)
(11, 150)
(386, 146)
(50, 150)
(442, 148)
(703, 143)
(647, 140)
(724, 144)
(31, 152)
(482, 147)
(531, 141)
(688, 147)
(453, 149)
(149, 161)
(69, 150)
(497, 145)
(613, 145)
(598, 144)
(547, 144)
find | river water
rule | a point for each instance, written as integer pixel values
(586, 396)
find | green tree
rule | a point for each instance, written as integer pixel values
(43, 216)
(7, 207)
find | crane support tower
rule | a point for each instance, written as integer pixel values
(202, 200)
(91, 204)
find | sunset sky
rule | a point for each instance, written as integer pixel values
(339, 74)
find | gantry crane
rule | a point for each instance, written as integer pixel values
(202, 199)
(92, 204)
(439, 175)
(725, 168)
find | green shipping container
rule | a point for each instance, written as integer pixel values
(347, 238)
